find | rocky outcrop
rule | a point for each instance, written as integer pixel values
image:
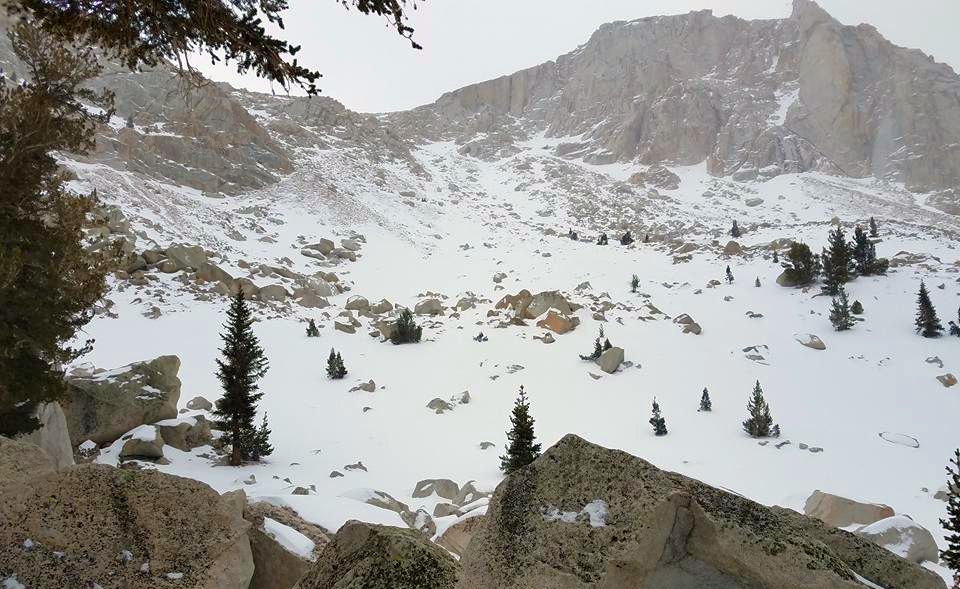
(284, 545)
(611, 359)
(457, 537)
(20, 460)
(757, 98)
(841, 512)
(103, 405)
(93, 525)
(904, 537)
(185, 433)
(366, 556)
(585, 516)
(529, 306)
(53, 435)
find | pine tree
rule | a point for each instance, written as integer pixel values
(599, 345)
(776, 257)
(873, 228)
(729, 275)
(863, 251)
(735, 230)
(243, 363)
(259, 445)
(759, 424)
(705, 403)
(836, 261)
(657, 421)
(49, 280)
(521, 449)
(840, 311)
(634, 283)
(406, 331)
(927, 322)
(804, 265)
(951, 556)
(335, 368)
(955, 327)
(756, 282)
(312, 330)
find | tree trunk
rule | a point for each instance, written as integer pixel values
(235, 457)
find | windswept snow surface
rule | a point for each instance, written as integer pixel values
(471, 219)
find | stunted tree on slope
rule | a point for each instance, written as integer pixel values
(241, 365)
(926, 322)
(521, 449)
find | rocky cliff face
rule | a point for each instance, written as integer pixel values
(752, 98)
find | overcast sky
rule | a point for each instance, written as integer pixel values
(369, 68)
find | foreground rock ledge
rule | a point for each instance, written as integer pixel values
(585, 516)
(367, 556)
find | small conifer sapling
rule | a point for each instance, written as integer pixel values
(729, 275)
(406, 330)
(634, 283)
(705, 403)
(759, 423)
(521, 449)
(840, 311)
(312, 330)
(657, 421)
(926, 322)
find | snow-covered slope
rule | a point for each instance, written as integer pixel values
(450, 204)
(468, 220)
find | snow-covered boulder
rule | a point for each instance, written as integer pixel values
(273, 293)
(199, 404)
(904, 537)
(441, 487)
(429, 307)
(186, 257)
(559, 322)
(144, 442)
(357, 303)
(688, 324)
(102, 405)
(841, 512)
(185, 433)
(811, 341)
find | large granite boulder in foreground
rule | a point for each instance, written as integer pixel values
(104, 405)
(584, 516)
(366, 556)
(96, 525)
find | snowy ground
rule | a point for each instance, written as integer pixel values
(870, 380)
